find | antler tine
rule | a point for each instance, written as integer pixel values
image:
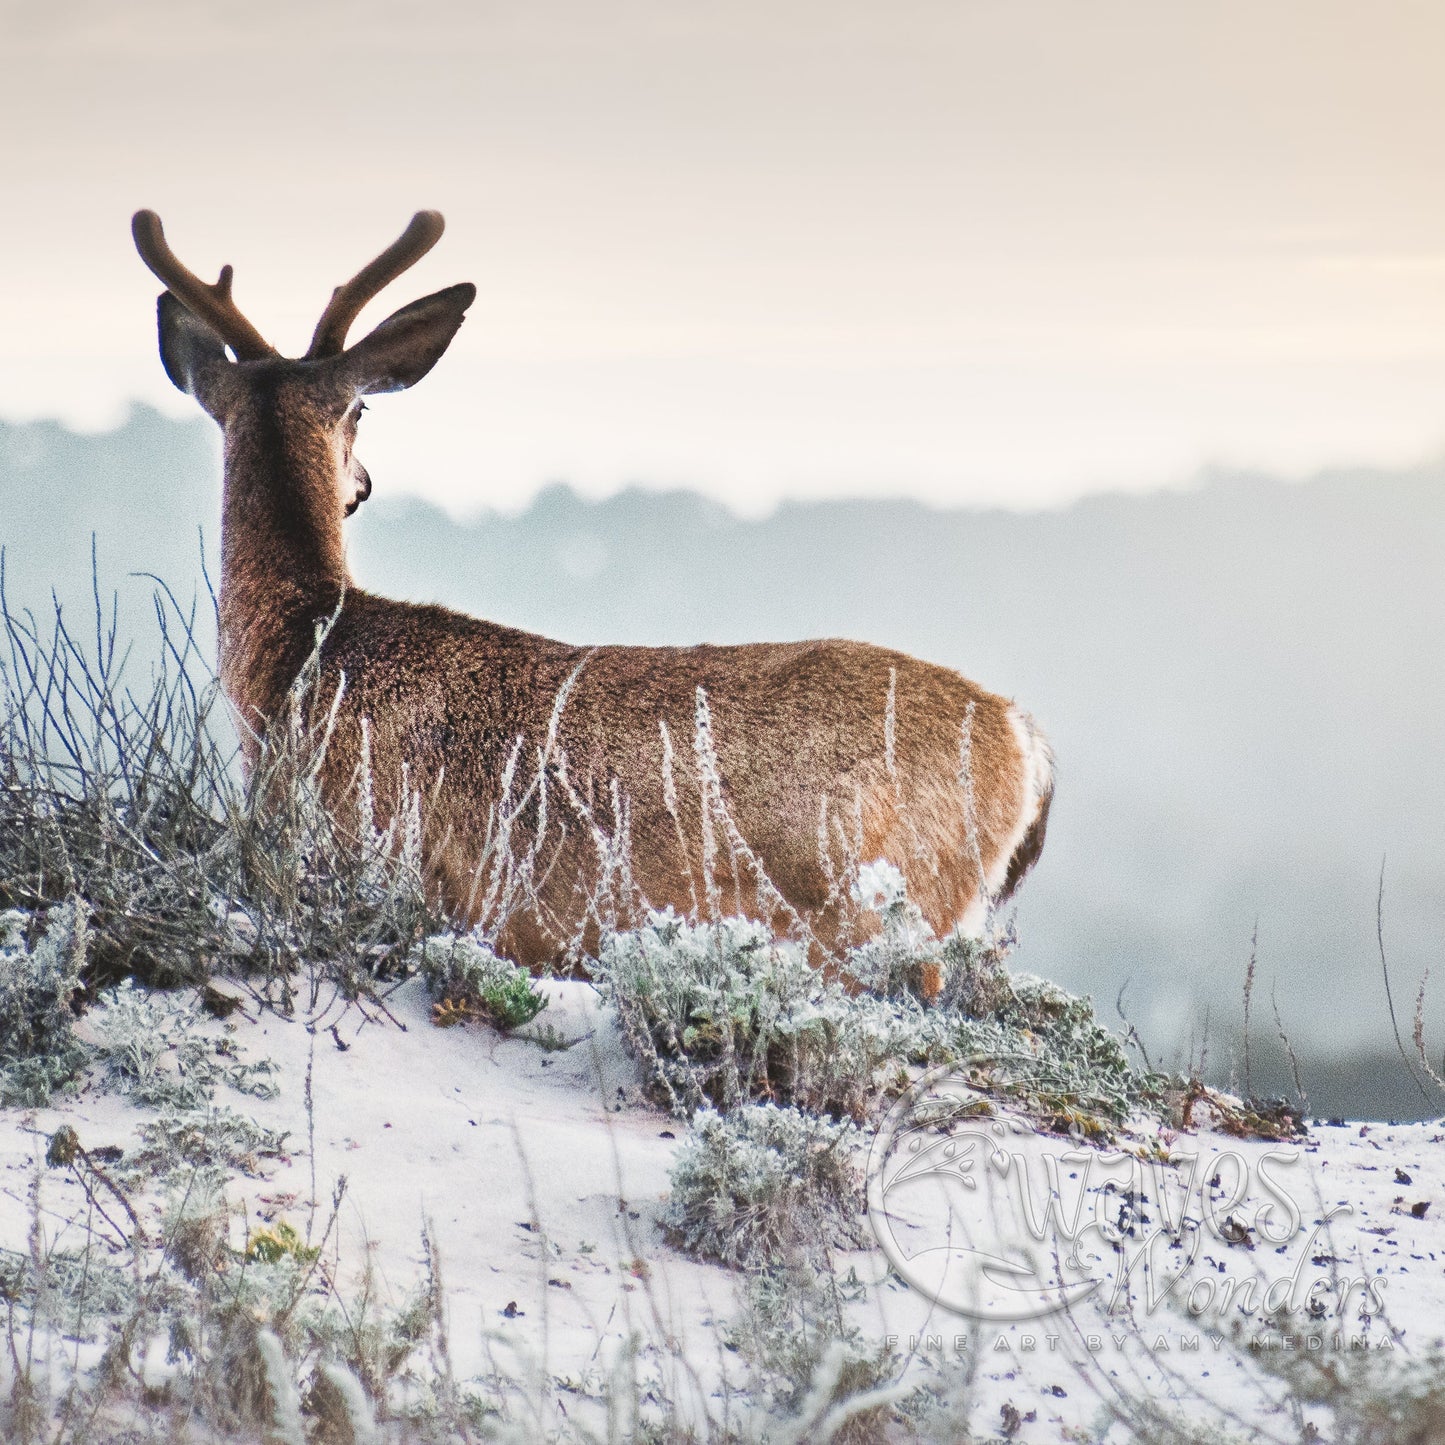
(424, 231)
(210, 303)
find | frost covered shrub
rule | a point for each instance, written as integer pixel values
(156, 1049)
(907, 959)
(72, 1291)
(39, 1052)
(1040, 1049)
(761, 1184)
(468, 979)
(159, 1050)
(805, 1353)
(211, 1135)
(133, 800)
(1043, 1048)
(723, 1013)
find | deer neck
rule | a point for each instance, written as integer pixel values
(283, 559)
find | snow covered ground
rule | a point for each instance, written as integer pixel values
(539, 1173)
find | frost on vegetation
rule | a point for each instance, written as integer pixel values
(209, 1135)
(1045, 1051)
(156, 1048)
(132, 799)
(879, 885)
(71, 1291)
(762, 1184)
(469, 980)
(259, 1342)
(905, 957)
(39, 1052)
(723, 1013)
(808, 1358)
(960, 973)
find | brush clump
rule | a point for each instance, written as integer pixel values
(723, 1013)
(763, 1183)
(469, 980)
(39, 984)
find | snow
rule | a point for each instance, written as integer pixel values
(1134, 1338)
(539, 1173)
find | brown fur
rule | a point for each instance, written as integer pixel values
(798, 727)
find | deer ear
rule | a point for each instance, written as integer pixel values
(408, 343)
(193, 355)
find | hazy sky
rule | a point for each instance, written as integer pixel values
(1001, 251)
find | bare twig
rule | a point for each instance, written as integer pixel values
(1248, 994)
(1420, 1033)
(1385, 973)
(1299, 1087)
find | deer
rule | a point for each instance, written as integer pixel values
(805, 754)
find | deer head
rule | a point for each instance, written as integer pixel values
(289, 433)
(302, 412)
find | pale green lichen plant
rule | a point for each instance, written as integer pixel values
(763, 1184)
(468, 979)
(157, 1048)
(722, 1013)
(961, 973)
(39, 1052)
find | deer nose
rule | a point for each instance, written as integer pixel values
(362, 478)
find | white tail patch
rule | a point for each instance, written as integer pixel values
(974, 919)
(1037, 759)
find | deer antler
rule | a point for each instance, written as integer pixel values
(211, 304)
(346, 301)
